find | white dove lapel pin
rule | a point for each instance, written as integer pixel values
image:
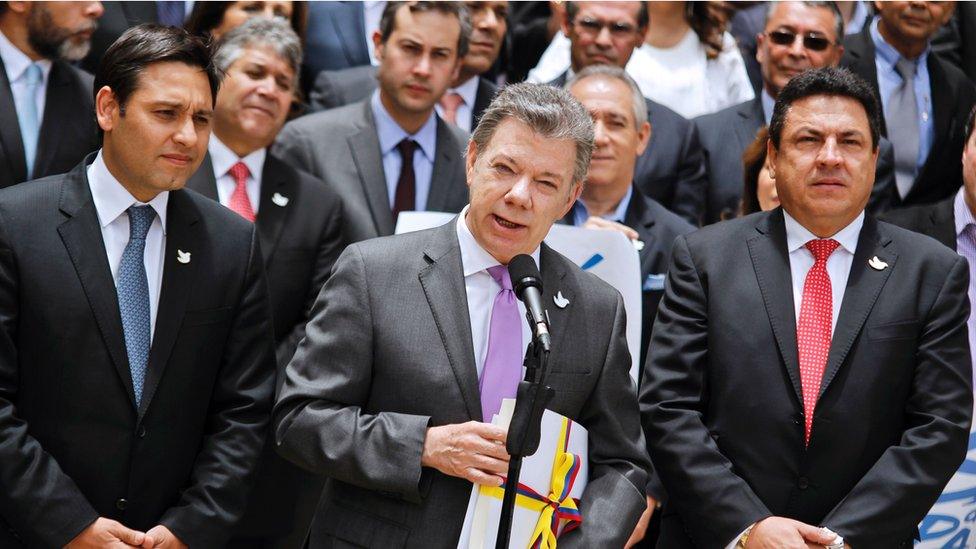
(182, 257)
(559, 300)
(279, 199)
(877, 264)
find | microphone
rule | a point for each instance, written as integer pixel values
(527, 283)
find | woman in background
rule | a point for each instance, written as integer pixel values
(218, 18)
(759, 190)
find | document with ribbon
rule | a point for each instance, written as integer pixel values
(550, 486)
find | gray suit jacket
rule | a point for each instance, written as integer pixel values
(341, 147)
(388, 354)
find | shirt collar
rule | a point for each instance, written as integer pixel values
(391, 134)
(16, 62)
(468, 90)
(617, 215)
(888, 54)
(112, 199)
(223, 158)
(768, 104)
(962, 213)
(797, 235)
(474, 258)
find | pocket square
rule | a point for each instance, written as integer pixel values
(653, 282)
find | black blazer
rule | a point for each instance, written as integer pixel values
(117, 18)
(953, 96)
(672, 169)
(75, 445)
(68, 130)
(721, 402)
(936, 220)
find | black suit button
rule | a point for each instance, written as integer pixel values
(803, 483)
(142, 431)
(121, 504)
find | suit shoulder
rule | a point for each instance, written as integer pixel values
(213, 213)
(670, 222)
(907, 218)
(460, 136)
(720, 235)
(662, 115)
(919, 246)
(27, 195)
(319, 192)
(325, 125)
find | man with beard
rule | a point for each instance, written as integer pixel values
(47, 117)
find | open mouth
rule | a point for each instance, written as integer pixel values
(506, 223)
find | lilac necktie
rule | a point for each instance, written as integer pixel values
(503, 363)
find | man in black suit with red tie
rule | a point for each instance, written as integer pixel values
(836, 414)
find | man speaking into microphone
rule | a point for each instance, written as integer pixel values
(417, 338)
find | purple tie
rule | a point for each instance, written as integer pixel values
(503, 363)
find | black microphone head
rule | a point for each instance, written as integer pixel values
(524, 273)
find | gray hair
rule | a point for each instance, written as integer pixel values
(550, 112)
(275, 34)
(827, 5)
(613, 72)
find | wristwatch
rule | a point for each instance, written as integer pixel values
(838, 542)
(744, 537)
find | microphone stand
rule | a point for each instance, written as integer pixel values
(524, 430)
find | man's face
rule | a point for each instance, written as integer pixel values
(914, 22)
(824, 168)
(254, 98)
(62, 30)
(239, 12)
(489, 22)
(419, 60)
(519, 186)
(808, 25)
(969, 170)
(162, 137)
(618, 138)
(603, 33)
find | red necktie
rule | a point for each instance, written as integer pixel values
(406, 189)
(239, 201)
(814, 328)
(450, 103)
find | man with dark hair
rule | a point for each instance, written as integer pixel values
(403, 156)
(136, 358)
(837, 412)
(47, 119)
(925, 98)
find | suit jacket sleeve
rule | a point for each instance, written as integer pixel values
(904, 483)
(325, 93)
(292, 147)
(715, 503)
(884, 193)
(692, 184)
(320, 422)
(37, 498)
(238, 424)
(614, 497)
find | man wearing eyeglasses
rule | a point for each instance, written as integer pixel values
(670, 170)
(798, 36)
(923, 120)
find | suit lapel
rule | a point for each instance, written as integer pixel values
(863, 287)
(860, 48)
(553, 284)
(365, 149)
(140, 12)
(182, 232)
(277, 195)
(486, 92)
(943, 218)
(442, 182)
(203, 180)
(443, 283)
(751, 118)
(771, 262)
(639, 218)
(943, 121)
(82, 237)
(13, 145)
(353, 39)
(57, 112)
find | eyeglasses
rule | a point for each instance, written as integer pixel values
(811, 41)
(595, 26)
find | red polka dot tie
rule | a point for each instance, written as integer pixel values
(239, 201)
(813, 330)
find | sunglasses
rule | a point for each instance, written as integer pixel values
(814, 42)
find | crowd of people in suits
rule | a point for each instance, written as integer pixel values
(210, 337)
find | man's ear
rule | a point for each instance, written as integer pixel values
(378, 45)
(107, 109)
(771, 158)
(644, 133)
(470, 157)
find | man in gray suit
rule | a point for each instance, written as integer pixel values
(391, 152)
(798, 36)
(383, 396)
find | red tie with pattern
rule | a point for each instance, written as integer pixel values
(814, 327)
(239, 201)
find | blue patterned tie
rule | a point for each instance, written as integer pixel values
(27, 116)
(133, 289)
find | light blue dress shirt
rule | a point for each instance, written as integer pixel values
(885, 59)
(390, 134)
(581, 214)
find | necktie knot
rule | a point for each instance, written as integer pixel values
(501, 276)
(822, 248)
(906, 68)
(406, 148)
(239, 172)
(450, 103)
(140, 218)
(33, 75)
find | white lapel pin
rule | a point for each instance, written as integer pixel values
(877, 264)
(638, 245)
(279, 199)
(182, 257)
(559, 300)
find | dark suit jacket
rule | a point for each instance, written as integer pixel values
(389, 331)
(953, 96)
(936, 220)
(68, 131)
(75, 445)
(341, 87)
(335, 38)
(341, 147)
(117, 18)
(726, 134)
(721, 402)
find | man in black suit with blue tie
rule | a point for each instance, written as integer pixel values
(136, 356)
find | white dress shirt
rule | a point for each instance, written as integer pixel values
(481, 290)
(223, 159)
(111, 202)
(465, 112)
(15, 62)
